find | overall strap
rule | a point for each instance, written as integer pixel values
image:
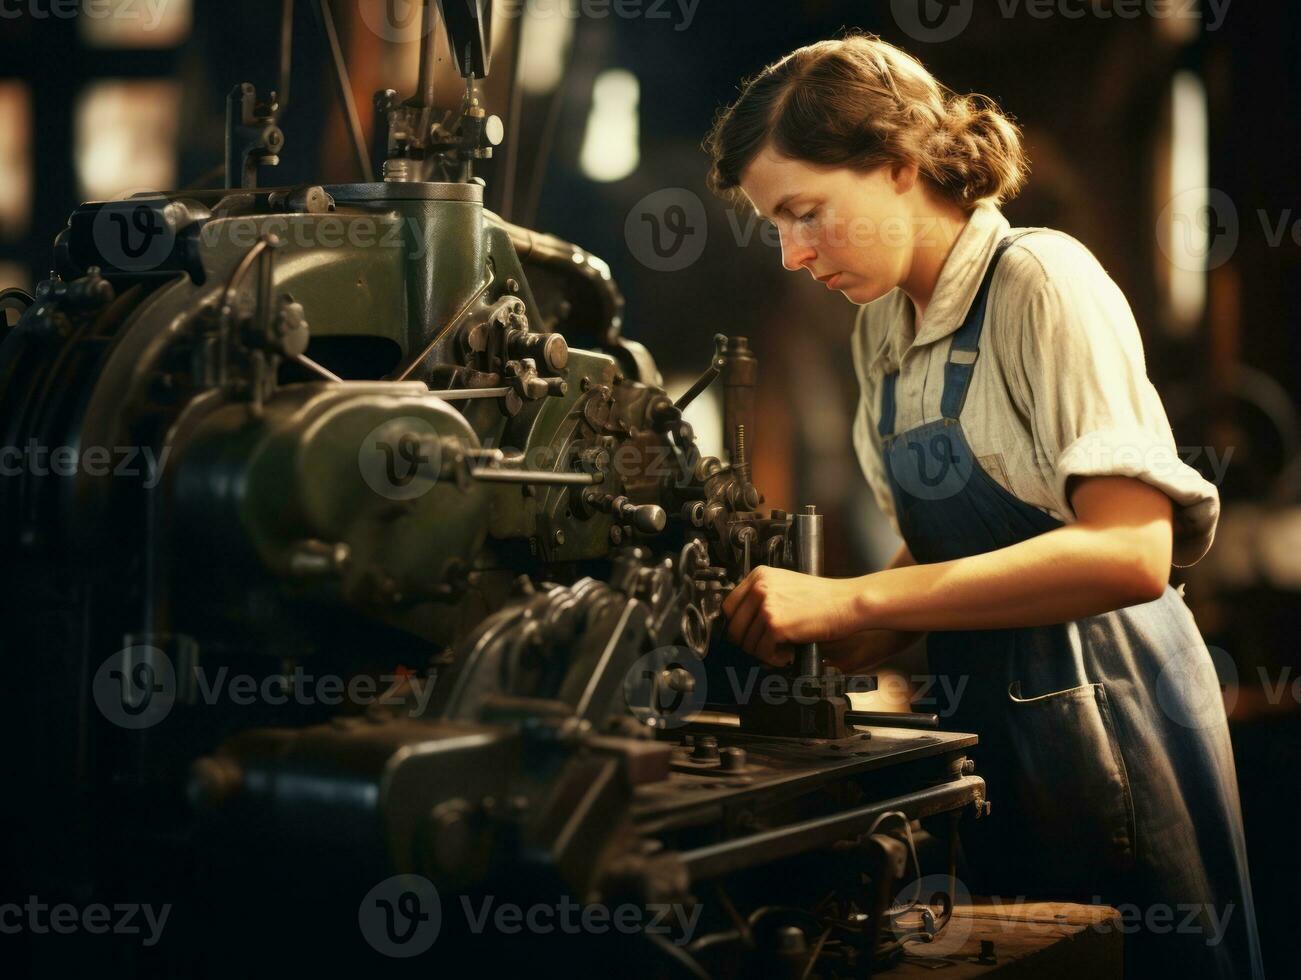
(966, 342)
(885, 425)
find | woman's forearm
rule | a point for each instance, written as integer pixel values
(1066, 574)
(861, 651)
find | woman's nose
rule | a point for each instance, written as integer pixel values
(795, 253)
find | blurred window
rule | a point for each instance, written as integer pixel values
(611, 146)
(126, 133)
(1192, 220)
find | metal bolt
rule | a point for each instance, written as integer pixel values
(558, 537)
(732, 758)
(706, 749)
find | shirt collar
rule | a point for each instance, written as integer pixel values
(963, 270)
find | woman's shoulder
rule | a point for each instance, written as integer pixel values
(1045, 258)
(1050, 289)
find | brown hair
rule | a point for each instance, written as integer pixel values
(861, 102)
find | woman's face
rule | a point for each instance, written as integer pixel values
(852, 230)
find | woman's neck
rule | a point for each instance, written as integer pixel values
(938, 226)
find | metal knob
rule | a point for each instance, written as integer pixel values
(705, 749)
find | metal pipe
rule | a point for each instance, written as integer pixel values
(428, 54)
(807, 532)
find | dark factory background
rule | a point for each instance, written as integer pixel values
(1167, 144)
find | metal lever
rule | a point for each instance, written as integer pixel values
(711, 373)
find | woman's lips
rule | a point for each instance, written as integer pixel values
(832, 281)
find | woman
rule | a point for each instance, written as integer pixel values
(1008, 428)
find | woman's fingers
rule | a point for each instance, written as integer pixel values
(737, 595)
(754, 632)
(743, 613)
(766, 648)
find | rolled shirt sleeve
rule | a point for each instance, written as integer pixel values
(1081, 379)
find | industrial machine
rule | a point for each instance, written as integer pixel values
(360, 581)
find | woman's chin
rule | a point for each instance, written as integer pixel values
(861, 292)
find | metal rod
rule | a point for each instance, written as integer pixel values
(451, 325)
(238, 273)
(893, 719)
(428, 54)
(540, 477)
(344, 87)
(701, 383)
(457, 394)
(311, 365)
(722, 858)
(286, 53)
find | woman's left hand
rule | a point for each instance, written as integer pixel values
(775, 608)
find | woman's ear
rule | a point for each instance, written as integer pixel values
(904, 176)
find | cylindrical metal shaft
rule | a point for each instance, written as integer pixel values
(807, 533)
(740, 379)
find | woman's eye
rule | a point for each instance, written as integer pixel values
(808, 217)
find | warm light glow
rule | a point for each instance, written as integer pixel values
(126, 137)
(160, 24)
(1190, 217)
(547, 36)
(15, 159)
(610, 145)
(12, 274)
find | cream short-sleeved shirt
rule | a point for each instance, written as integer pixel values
(1060, 387)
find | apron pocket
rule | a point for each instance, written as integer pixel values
(1071, 788)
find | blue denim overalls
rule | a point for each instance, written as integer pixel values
(1103, 741)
